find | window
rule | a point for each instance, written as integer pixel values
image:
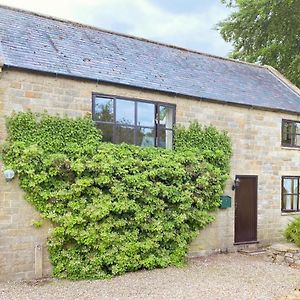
(290, 133)
(147, 124)
(290, 193)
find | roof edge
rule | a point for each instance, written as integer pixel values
(283, 79)
(174, 94)
(128, 36)
(2, 61)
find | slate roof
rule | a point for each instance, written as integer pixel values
(41, 43)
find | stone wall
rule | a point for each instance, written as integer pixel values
(20, 257)
(256, 137)
(285, 253)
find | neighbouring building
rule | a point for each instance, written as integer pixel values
(131, 85)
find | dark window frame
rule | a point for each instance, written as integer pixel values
(156, 127)
(283, 209)
(292, 144)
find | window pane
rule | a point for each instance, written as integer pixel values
(287, 202)
(145, 114)
(295, 186)
(287, 133)
(124, 135)
(287, 185)
(146, 137)
(291, 133)
(104, 109)
(295, 200)
(107, 132)
(166, 116)
(125, 112)
(290, 193)
(165, 139)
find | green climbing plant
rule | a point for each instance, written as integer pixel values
(115, 208)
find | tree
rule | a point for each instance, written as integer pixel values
(265, 32)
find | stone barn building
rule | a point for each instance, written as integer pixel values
(73, 69)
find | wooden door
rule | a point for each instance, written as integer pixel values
(245, 227)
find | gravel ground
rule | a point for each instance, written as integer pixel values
(293, 296)
(224, 276)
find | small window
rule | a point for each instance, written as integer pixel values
(290, 193)
(290, 133)
(132, 121)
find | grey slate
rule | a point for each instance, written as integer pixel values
(41, 43)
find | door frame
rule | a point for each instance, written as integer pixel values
(235, 206)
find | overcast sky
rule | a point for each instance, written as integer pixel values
(185, 23)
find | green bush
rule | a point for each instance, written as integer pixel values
(292, 232)
(115, 208)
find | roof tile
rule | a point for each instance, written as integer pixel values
(41, 43)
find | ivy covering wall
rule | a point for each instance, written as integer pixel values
(116, 208)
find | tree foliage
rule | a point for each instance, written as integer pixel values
(115, 208)
(266, 32)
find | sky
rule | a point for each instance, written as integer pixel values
(185, 23)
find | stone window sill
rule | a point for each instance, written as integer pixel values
(290, 148)
(291, 213)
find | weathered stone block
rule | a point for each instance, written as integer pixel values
(279, 259)
(288, 254)
(5, 219)
(289, 260)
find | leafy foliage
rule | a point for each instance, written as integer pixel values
(115, 208)
(266, 32)
(208, 141)
(37, 223)
(292, 232)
